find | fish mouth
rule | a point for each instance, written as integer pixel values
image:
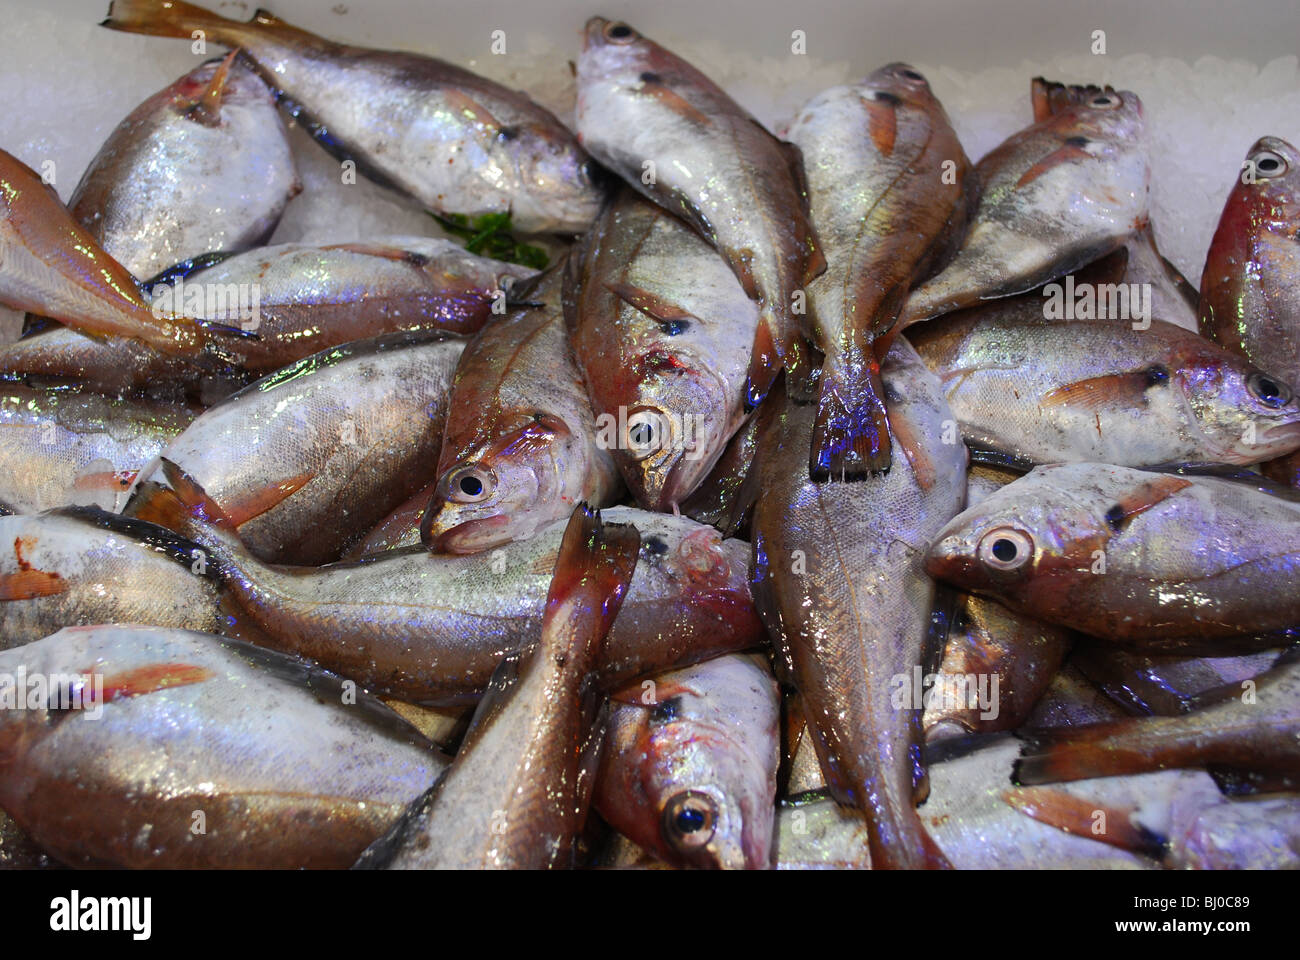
(1283, 434)
(592, 31)
(472, 536)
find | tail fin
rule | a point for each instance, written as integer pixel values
(765, 362)
(1081, 753)
(165, 18)
(592, 571)
(1083, 818)
(850, 437)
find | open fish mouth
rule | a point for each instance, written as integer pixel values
(473, 536)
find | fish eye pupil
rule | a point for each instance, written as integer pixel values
(471, 486)
(642, 434)
(912, 75)
(1267, 164)
(690, 820)
(620, 31)
(1004, 549)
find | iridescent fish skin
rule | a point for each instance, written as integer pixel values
(430, 628)
(283, 773)
(690, 760)
(839, 580)
(51, 266)
(1051, 390)
(520, 447)
(662, 331)
(80, 565)
(1053, 197)
(642, 108)
(455, 141)
(309, 458)
(517, 794)
(1148, 560)
(60, 448)
(201, 166)
(889, 186)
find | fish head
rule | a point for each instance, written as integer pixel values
(504, 489)
(902, 80)
(1270, 180)
(1245, 414)
(616, 56)
(566, 187)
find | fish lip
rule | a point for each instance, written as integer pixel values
(473, 536)
(591, 30)
(1283, 432)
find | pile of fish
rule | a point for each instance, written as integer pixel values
(830, 501)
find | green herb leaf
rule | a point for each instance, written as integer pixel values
(490, 236)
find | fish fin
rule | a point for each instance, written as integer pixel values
(206, 108)
(1065, 153)
(765, 363)
(1075, 753)
(674, 101)
(152, 678)
(1050, 98)
(882, 123)
(265, 499)
(382, 250)
(666, 314)
(1095, 393)
(467, 105)
(850, 439)
(193, 498)
(1082, 818)
(166, 18)
(906, 437)
(594, 566)
(1142, 498)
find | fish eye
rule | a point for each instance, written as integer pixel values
(469, 484)
(690, 819)
(647, 431)
(910, 74)
(1271, 393)
(1105, 101)
(1269, 164)
(619, 32)
(1005, 548)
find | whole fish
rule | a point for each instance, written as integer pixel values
(51, 265)
(430, 628)
(1249, 301)
(839, 581)
(689, 767)
(517, 794)
(520, 447)
(889, 188)
(143, 733)
(311, 457)
(675, 136)
(1053, 197)
(201, 166)
(1152, 560)
(455, 141)
(59, 448)
(662, 331)
(81, 565)
(1253, 727)
(1050, 390)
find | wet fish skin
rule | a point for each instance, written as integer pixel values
(838, 578)
(1167, 575)
(1164, 685)
(516, 796)
(311, 457)
(715, 500)
(203, 165)
(1055, 196)
(889, 190)
(662, 332)
(520, 446)
(690, 761)
(285, 774)
(1255, 730)
(468, 145)
(61, 448)
(1251, 834)
(1052, 390)
(714, 165)
(81, 565)
(430, 628)
(51, 266)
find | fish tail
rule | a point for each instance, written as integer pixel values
(912, 849)
(1085, 818)
(765, 362)
(166, 18)
(850, 439)
(183, 507)
(1080, 753)
(593, 569)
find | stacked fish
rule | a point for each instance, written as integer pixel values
(832, 501)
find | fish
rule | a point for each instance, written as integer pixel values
(662, 331)
(689, 767)
(1047, 390)
(64, 448)
(678, 138)
(1055, 196)
(467, 145)
(1164, 685)
(51, 266)
(516, 795)
(1252, 727)
(430, 628)
(890, 190)
(1248, 300)
(153, 747)
(838, 579)
(520, 447)
(309, 458)
(201, 166)
(82, 565)
(1150, 561)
